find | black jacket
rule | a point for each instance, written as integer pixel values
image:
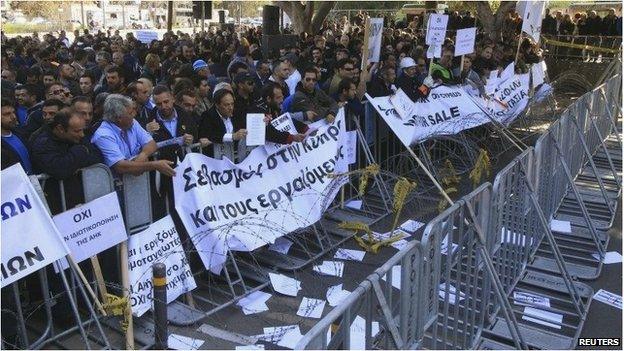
(377, 87)
(59, 158)
(410, 85)
(186, 125)
(212, 127)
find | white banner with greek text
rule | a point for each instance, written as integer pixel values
(159, 243)
(30, 240)
(92, 228)
(241, 207)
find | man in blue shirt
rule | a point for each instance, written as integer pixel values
(26, 98)
(13, 147)
(125, 145)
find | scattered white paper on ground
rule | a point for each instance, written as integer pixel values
(334, 268)
(609, 257)
(388, 235)
(609, 298)
(335, 294)
(275, 335)
(400, 244)
(444, 246)
(396, 277)
(411, 225)
(357, 330)
(291, 338)
(452, 296)
(560, 226)
(525, 298)
(254, 302)
(250, 347)
(179, 342)
(285, 285)
(281, 245)
(354, 204)
(348, 254)
(311, 308)
(546, 318)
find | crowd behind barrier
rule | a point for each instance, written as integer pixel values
(106, 113)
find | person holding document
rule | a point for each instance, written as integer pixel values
(219, 124)
(272, 98)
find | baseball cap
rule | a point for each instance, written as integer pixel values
(407, 62)
(199, 64)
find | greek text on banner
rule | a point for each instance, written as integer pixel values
(226, 206)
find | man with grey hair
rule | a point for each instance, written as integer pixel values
(125, 145)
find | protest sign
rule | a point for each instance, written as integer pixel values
(226, 206)
(30, 240)
(510, 98)
(146, 36)
(402, 104)
(351, 146)
(374, 39)
(256, 129)
(91, 228)
(464, 44)
(436, 29)
(447, 110)
(532, 18)
(538, 73)
(159, 243)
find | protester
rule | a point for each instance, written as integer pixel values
(14, 149)
(125, 145)
(311, 98)
(219, 124)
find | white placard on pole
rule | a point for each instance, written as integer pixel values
(92, 228)
(465, 41)
(436, 29)
(374, 41)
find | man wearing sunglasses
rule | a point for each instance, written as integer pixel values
(310, 98)
(244, 86)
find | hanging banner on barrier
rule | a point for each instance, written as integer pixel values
(159, 243)
(91, 228)
(509, 100)
(447, 110)
(30, 240)
(241, 207)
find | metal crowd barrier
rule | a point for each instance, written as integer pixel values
(442, 297)
(576, 51)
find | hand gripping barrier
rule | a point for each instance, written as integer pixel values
(444, 283)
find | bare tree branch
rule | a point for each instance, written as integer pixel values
(320, 15)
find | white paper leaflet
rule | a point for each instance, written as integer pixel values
(254, 302)
(286, 336)
(241, 207)
(560, 226)
(92, 228)
(357, 338)
(609, 298)
(281, 245)
(250, 347)
(179, 342)
(335, 294)
(158, 243)
(411, 225)
(609, 257)
(311, 308)
(528, 299)
(396, 276)
(443, 291)
(334, 268)
(30, 240)
(549, 319)
(347, 254)
(285, 285)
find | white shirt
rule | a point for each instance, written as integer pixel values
(229, 128)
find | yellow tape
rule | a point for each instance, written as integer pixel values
(115, 305)
(160, 281)
(579, 46)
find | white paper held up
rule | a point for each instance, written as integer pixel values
(256, 129)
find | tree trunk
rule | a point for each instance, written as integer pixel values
(493, 22)
(306, 16)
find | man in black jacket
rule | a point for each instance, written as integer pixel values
(383, 83)
(272, 98)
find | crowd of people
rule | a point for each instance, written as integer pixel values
(104, 98)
